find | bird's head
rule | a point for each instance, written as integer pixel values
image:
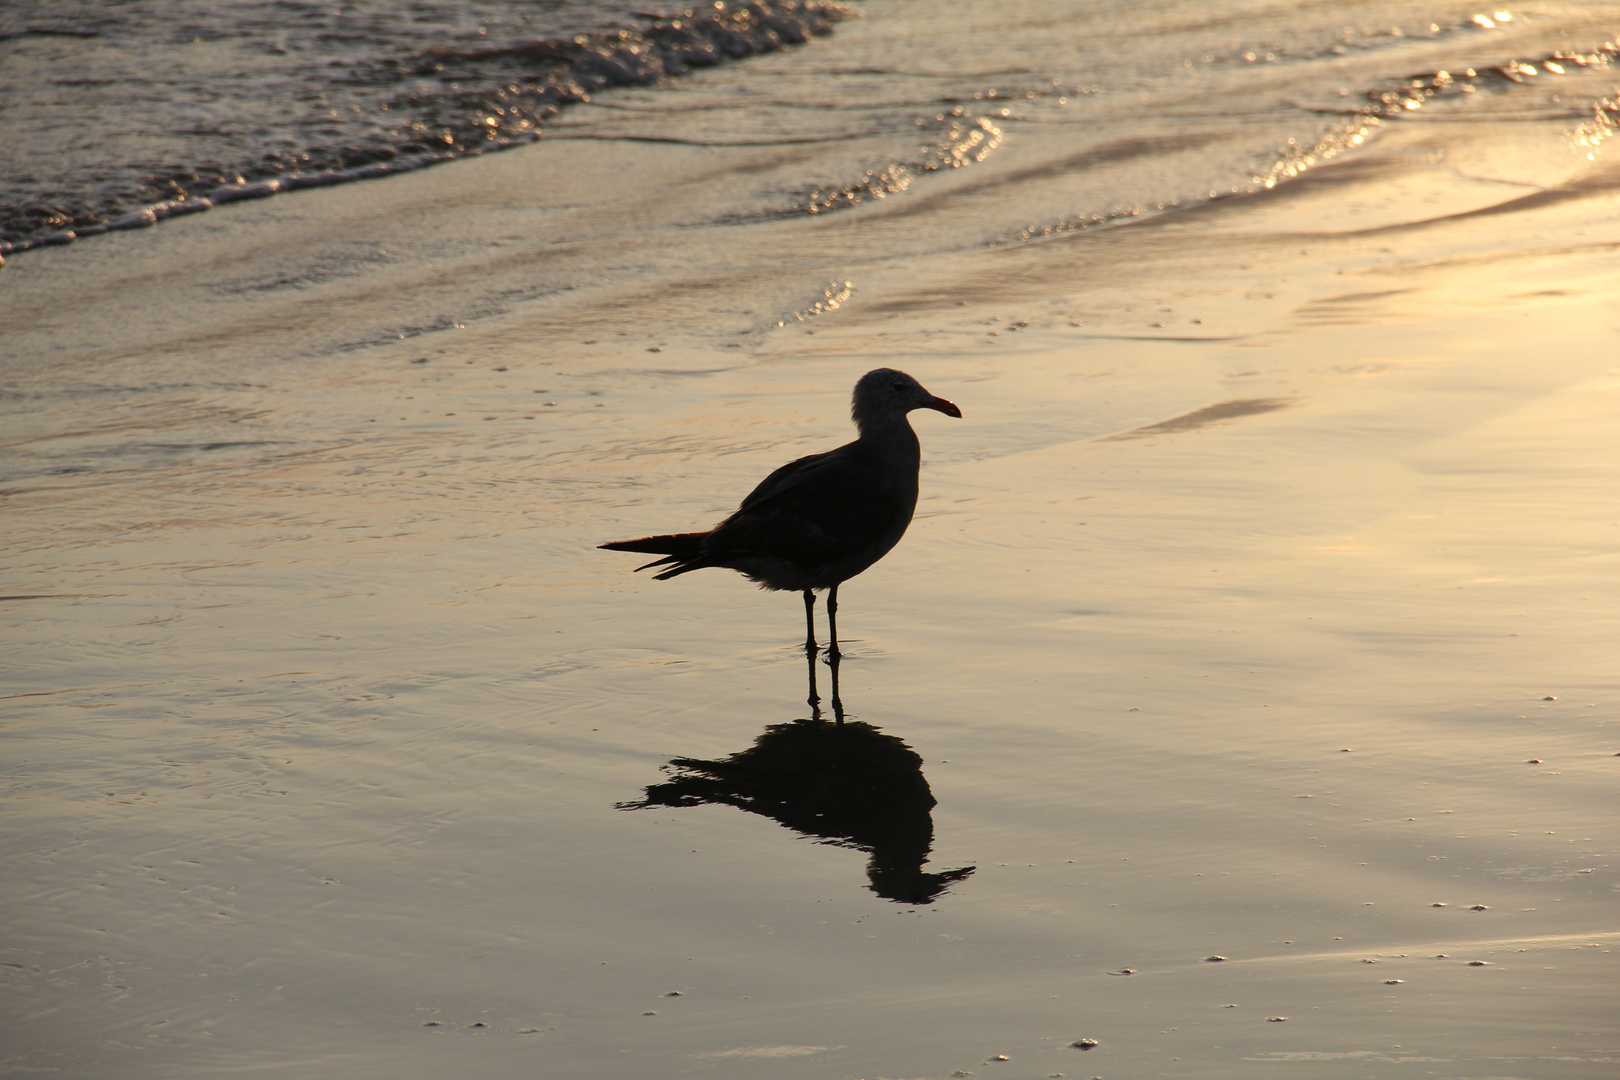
(886, 393)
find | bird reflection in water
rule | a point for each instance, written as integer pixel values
(840, 783)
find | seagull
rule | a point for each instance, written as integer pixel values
(818, 521)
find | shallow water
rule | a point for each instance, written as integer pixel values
(1262, 600)
(119, 115)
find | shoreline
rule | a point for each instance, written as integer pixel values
(560, 73)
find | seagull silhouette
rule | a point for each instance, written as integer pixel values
(818, 521)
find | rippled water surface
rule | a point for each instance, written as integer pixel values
(112, 110)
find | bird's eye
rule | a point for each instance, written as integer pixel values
(899, 386)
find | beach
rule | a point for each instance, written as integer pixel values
(1254, 636)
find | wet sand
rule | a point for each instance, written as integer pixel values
(1261, 607)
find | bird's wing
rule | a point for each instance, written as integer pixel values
(818, 509)
(786, 478)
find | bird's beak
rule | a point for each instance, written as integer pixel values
(940, 404)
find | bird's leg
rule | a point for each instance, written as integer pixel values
(815, 698)
(832, 623)
(810, 622)
(837, 701)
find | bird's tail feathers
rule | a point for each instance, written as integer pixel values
(675, 547)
